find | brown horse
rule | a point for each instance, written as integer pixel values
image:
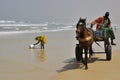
(85, 36)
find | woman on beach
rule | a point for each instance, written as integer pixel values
(104, 22)
(41, 40)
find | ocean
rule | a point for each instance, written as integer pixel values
(10, 28)
(13, 27)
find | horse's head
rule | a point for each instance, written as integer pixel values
(81, 25)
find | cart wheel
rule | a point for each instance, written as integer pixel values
(108, 53)
(77, 52)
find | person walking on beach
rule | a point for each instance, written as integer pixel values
(41, 40)
(104, 22)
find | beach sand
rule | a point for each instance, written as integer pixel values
(56, 61)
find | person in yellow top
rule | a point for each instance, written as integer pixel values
(104, 22)
(41, 40)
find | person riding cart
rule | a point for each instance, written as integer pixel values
(104, 23)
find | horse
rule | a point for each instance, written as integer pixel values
(85, 37)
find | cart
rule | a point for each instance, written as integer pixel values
(99, 36)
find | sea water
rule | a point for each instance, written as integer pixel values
(9, 28)
(18, 27)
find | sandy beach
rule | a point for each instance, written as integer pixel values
(56, 61)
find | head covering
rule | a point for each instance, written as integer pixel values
(38, 38)
(107, 14)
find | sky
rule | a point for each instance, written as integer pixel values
(61, 11)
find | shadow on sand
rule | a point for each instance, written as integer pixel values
(73, 64)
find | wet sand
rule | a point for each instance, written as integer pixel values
(18, 62)
(99, 69)
(55, 62)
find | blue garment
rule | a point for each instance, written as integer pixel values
(98, 33)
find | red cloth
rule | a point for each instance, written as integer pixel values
(99, 22)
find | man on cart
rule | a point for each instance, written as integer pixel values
(104, 23)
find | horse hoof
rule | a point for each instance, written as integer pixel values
(86, 68)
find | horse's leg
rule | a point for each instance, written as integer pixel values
(81, 54)
(86, 58)
(90, 51)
